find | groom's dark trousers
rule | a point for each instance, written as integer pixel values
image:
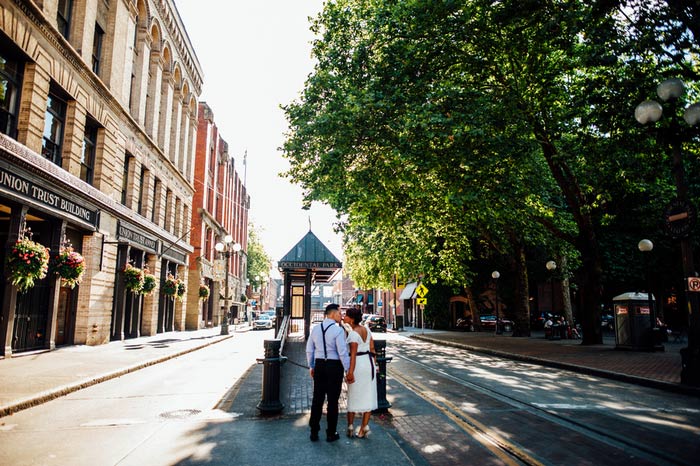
(328, 381)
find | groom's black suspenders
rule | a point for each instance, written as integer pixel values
(323, 335)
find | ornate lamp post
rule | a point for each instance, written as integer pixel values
(225, 248)
(645, 246)
(680, 213)
(496, 275)
(551, 266)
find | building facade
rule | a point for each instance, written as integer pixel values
(98, 123)
(221, 205)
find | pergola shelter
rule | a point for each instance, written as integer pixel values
(308, 262)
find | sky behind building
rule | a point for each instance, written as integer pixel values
(256, 56)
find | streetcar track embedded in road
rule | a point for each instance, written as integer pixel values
(473, 426)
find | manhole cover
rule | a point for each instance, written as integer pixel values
(180, 413)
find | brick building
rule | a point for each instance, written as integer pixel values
(220, 208)
(98, 121)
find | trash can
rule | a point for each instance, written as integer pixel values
(398, 322)
(633, 329)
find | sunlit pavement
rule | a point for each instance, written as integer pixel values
(29, 379)
(657, 369)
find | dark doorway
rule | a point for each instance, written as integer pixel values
(32, 307)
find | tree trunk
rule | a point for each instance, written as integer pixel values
(591, 288)
(521, 298)
(565, 293)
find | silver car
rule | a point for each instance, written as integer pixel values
(263, 322)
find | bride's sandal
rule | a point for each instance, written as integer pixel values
(351, 430)
(363, 432)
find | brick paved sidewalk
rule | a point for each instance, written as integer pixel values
(657, 369)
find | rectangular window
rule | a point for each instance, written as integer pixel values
(125, 177)
(156, 197)
(54, 122)
(142, 179)
(10, 86)
(97, 48)
(63, 16)
(87, 158)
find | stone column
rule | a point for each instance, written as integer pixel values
(32, 109)
(149, 321)
(175, 128)
(73, 137)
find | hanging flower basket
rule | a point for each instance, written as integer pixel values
(149, 282)
(170, 286)
(203, 292)
(133, 278)
(181, 290)
(26, 263)
(69, 265)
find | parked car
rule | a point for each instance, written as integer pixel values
(364, 318)
(376, 323)
(263, 321)
(272, 314)
(465, 324)
(488, 322)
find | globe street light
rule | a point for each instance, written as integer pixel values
(496, 275)
(225, 248)
(680, 213)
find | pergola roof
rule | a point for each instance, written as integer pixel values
(309, 254)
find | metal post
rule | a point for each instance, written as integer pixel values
(270, 400)
(224, 322)
(380, 350)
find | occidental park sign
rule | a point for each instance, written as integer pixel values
(309, 265)
(30, 190)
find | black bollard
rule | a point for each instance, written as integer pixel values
(270, 402)
(380, 350)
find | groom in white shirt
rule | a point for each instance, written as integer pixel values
(327, 355)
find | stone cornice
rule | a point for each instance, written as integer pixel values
(171, 19)
(36, 16)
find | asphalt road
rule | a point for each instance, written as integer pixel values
(460, 408)
(146, 417)
(542, 415)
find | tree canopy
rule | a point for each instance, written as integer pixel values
(449, 132)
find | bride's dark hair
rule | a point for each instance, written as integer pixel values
(355, 314)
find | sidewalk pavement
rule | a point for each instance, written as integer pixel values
(33, 378)
(660, 369)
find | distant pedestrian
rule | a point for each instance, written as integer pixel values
(362, 393)
(327, 355)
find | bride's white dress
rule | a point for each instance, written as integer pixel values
(362, 394)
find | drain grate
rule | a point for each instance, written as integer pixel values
(180, 413)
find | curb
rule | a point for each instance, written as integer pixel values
(52, 394)
(632, 379)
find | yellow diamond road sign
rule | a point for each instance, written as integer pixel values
(421, 301)
(421, 291)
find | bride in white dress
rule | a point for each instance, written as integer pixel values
(362, 391)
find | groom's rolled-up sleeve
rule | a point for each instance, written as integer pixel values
(342, 346)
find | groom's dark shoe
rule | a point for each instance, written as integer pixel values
(313, 437)
(332, 437)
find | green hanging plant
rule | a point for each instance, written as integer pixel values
(27, 262)
(69, 265)
(149, 282)
(133, 278)
(203, 292)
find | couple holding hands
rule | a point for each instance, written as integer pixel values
(341, 345)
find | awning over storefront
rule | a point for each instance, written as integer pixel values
(409, 292)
